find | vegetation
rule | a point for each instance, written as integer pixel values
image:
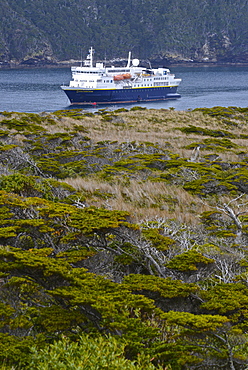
(49, 30)
(119, 253)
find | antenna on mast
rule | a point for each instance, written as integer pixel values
(129, 59)
(81, 62)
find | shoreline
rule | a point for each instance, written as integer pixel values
(70, 63)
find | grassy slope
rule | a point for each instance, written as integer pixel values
(124, 160)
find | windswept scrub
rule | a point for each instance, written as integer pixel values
(127, 229)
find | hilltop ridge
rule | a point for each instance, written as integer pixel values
(38, 33)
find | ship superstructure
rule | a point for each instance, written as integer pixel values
(100, 84)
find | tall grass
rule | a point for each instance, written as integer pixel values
(141, 198)
(160, 127)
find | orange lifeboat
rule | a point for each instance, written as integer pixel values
(126, 76)
(118, 77)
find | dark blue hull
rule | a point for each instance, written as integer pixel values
(112, 96)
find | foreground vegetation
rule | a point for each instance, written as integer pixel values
(124, 239)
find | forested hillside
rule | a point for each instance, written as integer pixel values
(124, 240)
(52, 30)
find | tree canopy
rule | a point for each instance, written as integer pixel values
(51, 30)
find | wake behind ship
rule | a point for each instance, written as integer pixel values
(110, 85)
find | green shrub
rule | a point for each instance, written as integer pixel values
(87, 354)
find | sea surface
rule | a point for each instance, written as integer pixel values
(38, 90)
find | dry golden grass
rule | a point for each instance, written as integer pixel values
(152, 199)
(150, 125)
(142, 199)
(155, 126)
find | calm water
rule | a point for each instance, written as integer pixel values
(38, 90)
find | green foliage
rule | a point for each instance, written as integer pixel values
(159, 241)
(87, 353)
(189, 261)
(61, 223)
(167, 288)
(201, 323)
(20, 184)
(119, 110)
(218, 145)
(191, 129)
(25, 124)
(222, 112)
(91, 220)
(15, 350)
(75, 299)
(228, 299)
(72, 113)
(138, 108)
(217, 181)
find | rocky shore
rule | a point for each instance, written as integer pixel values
(53, 63)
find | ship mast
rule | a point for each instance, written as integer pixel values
(89, 60)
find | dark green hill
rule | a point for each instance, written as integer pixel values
(50, 30)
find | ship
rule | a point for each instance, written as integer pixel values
(100, 84)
